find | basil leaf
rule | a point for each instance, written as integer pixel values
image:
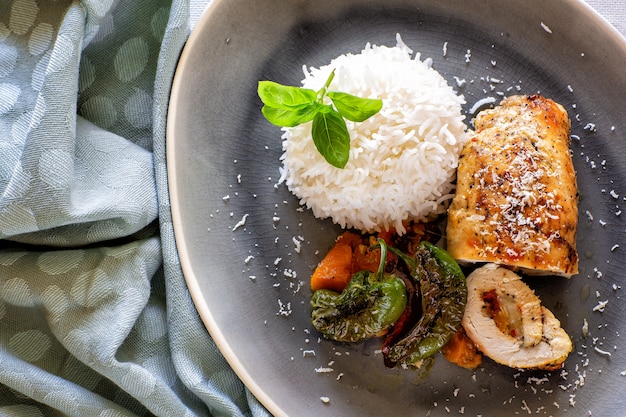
(331, 137)
(288, 106)
(276, 95)
(355, 108)
(290, 116)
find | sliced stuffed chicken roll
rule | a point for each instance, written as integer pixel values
(506, 321)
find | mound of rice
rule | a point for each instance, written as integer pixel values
(403, 160)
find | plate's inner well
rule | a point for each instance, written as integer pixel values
(248, 248)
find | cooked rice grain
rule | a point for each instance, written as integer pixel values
(403, 160)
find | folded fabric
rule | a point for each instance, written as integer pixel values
(95, 316)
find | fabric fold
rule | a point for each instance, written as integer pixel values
(95, 315)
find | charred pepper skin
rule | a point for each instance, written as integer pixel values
(443, 292)
(365, 308)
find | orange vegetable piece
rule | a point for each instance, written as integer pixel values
(462, 351)
(335, 270)
(350, 238)
(365, 259)
(387, 235)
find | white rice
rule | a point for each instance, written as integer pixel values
(403, 160)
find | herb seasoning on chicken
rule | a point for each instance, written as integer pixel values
(516, 197)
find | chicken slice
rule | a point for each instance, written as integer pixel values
(506, 321)
(516, 196)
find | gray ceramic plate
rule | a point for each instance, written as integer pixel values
(247, 249)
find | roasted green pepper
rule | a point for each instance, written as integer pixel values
(443, 297)
(370, 303)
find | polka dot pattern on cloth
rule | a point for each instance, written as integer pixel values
(87, 322)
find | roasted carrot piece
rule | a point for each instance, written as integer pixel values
(335, 270)
(462, 351)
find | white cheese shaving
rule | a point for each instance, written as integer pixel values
(297, 244)
(480, 103)
(602, 352)
(460, 82)
(545, 27)
(284, 309)
(241, 222)
(601, 306)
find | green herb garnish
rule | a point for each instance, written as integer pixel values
(288, 106)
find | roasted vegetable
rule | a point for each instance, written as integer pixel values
(462, 351)
(335, 270)
(443, 297)
(369, 304)
(350, 254)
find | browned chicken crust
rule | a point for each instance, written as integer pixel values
(516, 197)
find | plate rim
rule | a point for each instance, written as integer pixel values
(180, 243)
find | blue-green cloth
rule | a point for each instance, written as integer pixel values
(95, 316)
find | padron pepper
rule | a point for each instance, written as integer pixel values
(369, 305)
(443, 292)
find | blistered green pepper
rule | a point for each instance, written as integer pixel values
(370, 303)
(443, 294)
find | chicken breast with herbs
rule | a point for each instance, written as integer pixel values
(506, 321)
(516, 196)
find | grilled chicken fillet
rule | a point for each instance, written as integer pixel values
(516, 196)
